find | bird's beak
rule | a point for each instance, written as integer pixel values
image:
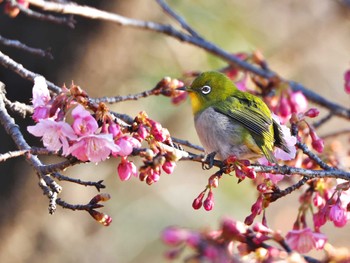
(188, 89)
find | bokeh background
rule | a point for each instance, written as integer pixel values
(306, 41)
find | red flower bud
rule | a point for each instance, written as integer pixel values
(208, 203)
(312, 113)
(197, 203)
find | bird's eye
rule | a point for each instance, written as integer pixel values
(206, 89)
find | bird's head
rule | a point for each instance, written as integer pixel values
(209, 88)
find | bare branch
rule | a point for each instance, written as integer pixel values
(19, 45)
(9, 63)
(67, 21)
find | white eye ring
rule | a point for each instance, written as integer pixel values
(206, 89)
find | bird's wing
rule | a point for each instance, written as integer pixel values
(257, 120)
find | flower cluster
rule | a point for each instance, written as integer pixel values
(234, 241)
(71, 124)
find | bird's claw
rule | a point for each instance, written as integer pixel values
(209, 161)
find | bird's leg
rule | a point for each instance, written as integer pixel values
(209, 161)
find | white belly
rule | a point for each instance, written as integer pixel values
(219, 133)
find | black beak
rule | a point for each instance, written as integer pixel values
(183, 88)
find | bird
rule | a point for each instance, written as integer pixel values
(231, 122)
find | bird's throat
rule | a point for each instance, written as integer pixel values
(196, 103)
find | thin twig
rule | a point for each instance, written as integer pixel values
(67, 21)
(322, 121)
(313, 156)
(99, 185)
(9, 63)
(281, 193)
(336, 134)
(116, 99)
(19, 45)
(166, 8)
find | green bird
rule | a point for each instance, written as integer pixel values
(232, 122)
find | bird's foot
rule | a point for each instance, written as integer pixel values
(208, 162)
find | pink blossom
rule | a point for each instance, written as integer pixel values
(41, 112)
(54, 134)
(93, 147)
(275, 178)
(169, 167)
(290, 140)
(338, 215)
(84, 123)
(347, 81)
(304, 240)
(126, 169)
(298, 102)
(114, 129)
(41, 94)
(126, 145)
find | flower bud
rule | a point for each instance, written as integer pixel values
(169, 167)
(208, 203)
(312, 113)
(102, 218)
(197, 203)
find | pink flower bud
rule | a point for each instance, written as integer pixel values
(320, 218)
(180, 97)
(169, 167)
(284, 108)
(312, 113)
(126, 169)
(173, 236)
(232, 229)
(208, 203)
(249, 219)
(142, 132)
(249, 172)
(298, 102)
(197, 203)
(317, 143)
(257, 206)
(114, 129)
(260, 228)
(239, 173)
(213, 181)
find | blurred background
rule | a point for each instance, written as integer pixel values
(305, 41)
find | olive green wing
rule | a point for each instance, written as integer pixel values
(255, 116)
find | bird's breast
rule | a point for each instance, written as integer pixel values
(222, 134)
